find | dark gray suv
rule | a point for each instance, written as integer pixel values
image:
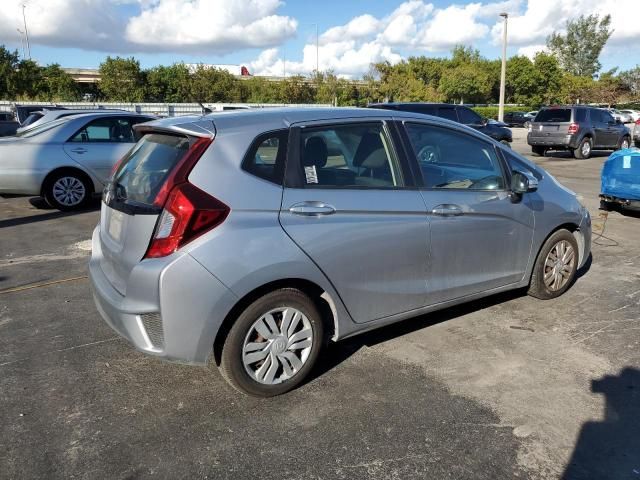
(579, 129)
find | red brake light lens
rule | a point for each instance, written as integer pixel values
(638, 122)
(573, 128)
(188, 213)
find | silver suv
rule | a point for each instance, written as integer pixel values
(576, 128)
(256, 235)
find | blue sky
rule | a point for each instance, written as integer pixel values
(261, 34)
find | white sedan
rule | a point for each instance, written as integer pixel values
(68, 160)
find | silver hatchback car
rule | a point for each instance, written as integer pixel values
(258, 235)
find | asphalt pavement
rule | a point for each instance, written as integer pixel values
(506, 387)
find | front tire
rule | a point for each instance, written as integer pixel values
(556, 266)
(584, 149)
(273, 345)
(67, 190)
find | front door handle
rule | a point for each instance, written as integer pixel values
(447, 210)
(312, 209)
(79, 150)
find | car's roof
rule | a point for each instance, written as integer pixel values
(282, 117)
(427, 104)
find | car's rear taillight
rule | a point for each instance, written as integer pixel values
(573, 128)
(638, 122)
(188, 213)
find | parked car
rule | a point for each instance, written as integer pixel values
(636, 133)
(256, 235)
(43, 116)
(621, 181)
(634, 114)
(579, 129)
(515, 119)
(529, 118)
(619, 116)
(8, 124)
(22, 112)
(457, 113)
(66, 160)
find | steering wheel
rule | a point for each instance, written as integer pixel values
(428, 154)
(490, 182)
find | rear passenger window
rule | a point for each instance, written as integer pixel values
(266, 156)
(450, 159)
(448, 113)
(345, 156)
(581, 115)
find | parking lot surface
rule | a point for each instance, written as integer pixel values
(506, 387)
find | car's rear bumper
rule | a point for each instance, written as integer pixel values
(173, 307)
(553, 141)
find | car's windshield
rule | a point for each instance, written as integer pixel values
(37, 130)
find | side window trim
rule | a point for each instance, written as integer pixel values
(125, 118)
(504, 168)
(293, 174)
(281, 155)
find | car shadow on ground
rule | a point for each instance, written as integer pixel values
(610, 448)
(340, 351)
(564, 155)
(51, 214)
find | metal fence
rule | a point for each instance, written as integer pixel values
(161, 109)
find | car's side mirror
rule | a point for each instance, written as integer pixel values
(522, 182)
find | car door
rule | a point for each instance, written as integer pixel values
(351, 205)
(611, 130)
(480, 236)
(101, 142)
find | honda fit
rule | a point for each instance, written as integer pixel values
(256, 236)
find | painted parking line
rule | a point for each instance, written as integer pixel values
(43, 284)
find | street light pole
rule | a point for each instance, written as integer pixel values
(24, 50)
(503, 72)
(26, 32)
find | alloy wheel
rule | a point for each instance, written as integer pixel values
(69, 191)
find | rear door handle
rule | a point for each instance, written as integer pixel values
(447, 210)
(312, 209)
(79, 150)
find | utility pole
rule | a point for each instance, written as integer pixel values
(503, 73)
(26, 32)
(22, 45)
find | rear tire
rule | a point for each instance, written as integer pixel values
(556, 266)
(538, 151)
(67, 190)
(584, 149)
(273, 345)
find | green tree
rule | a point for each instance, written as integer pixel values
(575, 89)
(631, 81)
(214, 85)
(8, 65)
(295, 90)
(579, 49)
(522, 84)
(59, 85)
(121, 80)
(260, 90)
(466, 83)
(28, 80)
(549, 79)
(168, 84)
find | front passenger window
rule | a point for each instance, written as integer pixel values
(358, 155)
(451, 159)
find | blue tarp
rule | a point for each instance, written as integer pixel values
(621, 174)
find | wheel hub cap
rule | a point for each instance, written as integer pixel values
(559, 265)
(277, 345)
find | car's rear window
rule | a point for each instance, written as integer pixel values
(554, 115)
(145, 168)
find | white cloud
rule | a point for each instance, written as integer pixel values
(212, 26)
(359, 27)
(541, 18)
(452, 26)
(531, 50)
(196, 26)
